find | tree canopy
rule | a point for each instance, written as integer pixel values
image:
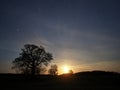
(32, 59)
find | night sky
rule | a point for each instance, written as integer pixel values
(83, 34)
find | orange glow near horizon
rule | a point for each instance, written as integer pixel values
(66, 69)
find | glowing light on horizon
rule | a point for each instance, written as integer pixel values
(66, 69)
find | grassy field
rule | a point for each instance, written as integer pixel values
(96, 80)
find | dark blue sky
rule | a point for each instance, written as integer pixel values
(84, 34)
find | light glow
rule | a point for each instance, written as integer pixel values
(66, 69)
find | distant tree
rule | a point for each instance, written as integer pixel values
(70, 72)
(53, 70)
(32, 59)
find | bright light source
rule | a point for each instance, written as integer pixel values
(66, 69)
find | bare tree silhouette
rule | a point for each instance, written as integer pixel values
(32, 59)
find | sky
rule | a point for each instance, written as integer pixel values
(83, 34)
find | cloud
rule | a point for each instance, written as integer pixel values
(104, 65)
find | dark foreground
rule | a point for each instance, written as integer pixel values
(96, 80)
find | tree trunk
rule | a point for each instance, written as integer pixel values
(33, 68)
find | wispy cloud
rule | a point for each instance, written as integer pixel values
(104, 65)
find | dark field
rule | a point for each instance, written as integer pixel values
(96, 80)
